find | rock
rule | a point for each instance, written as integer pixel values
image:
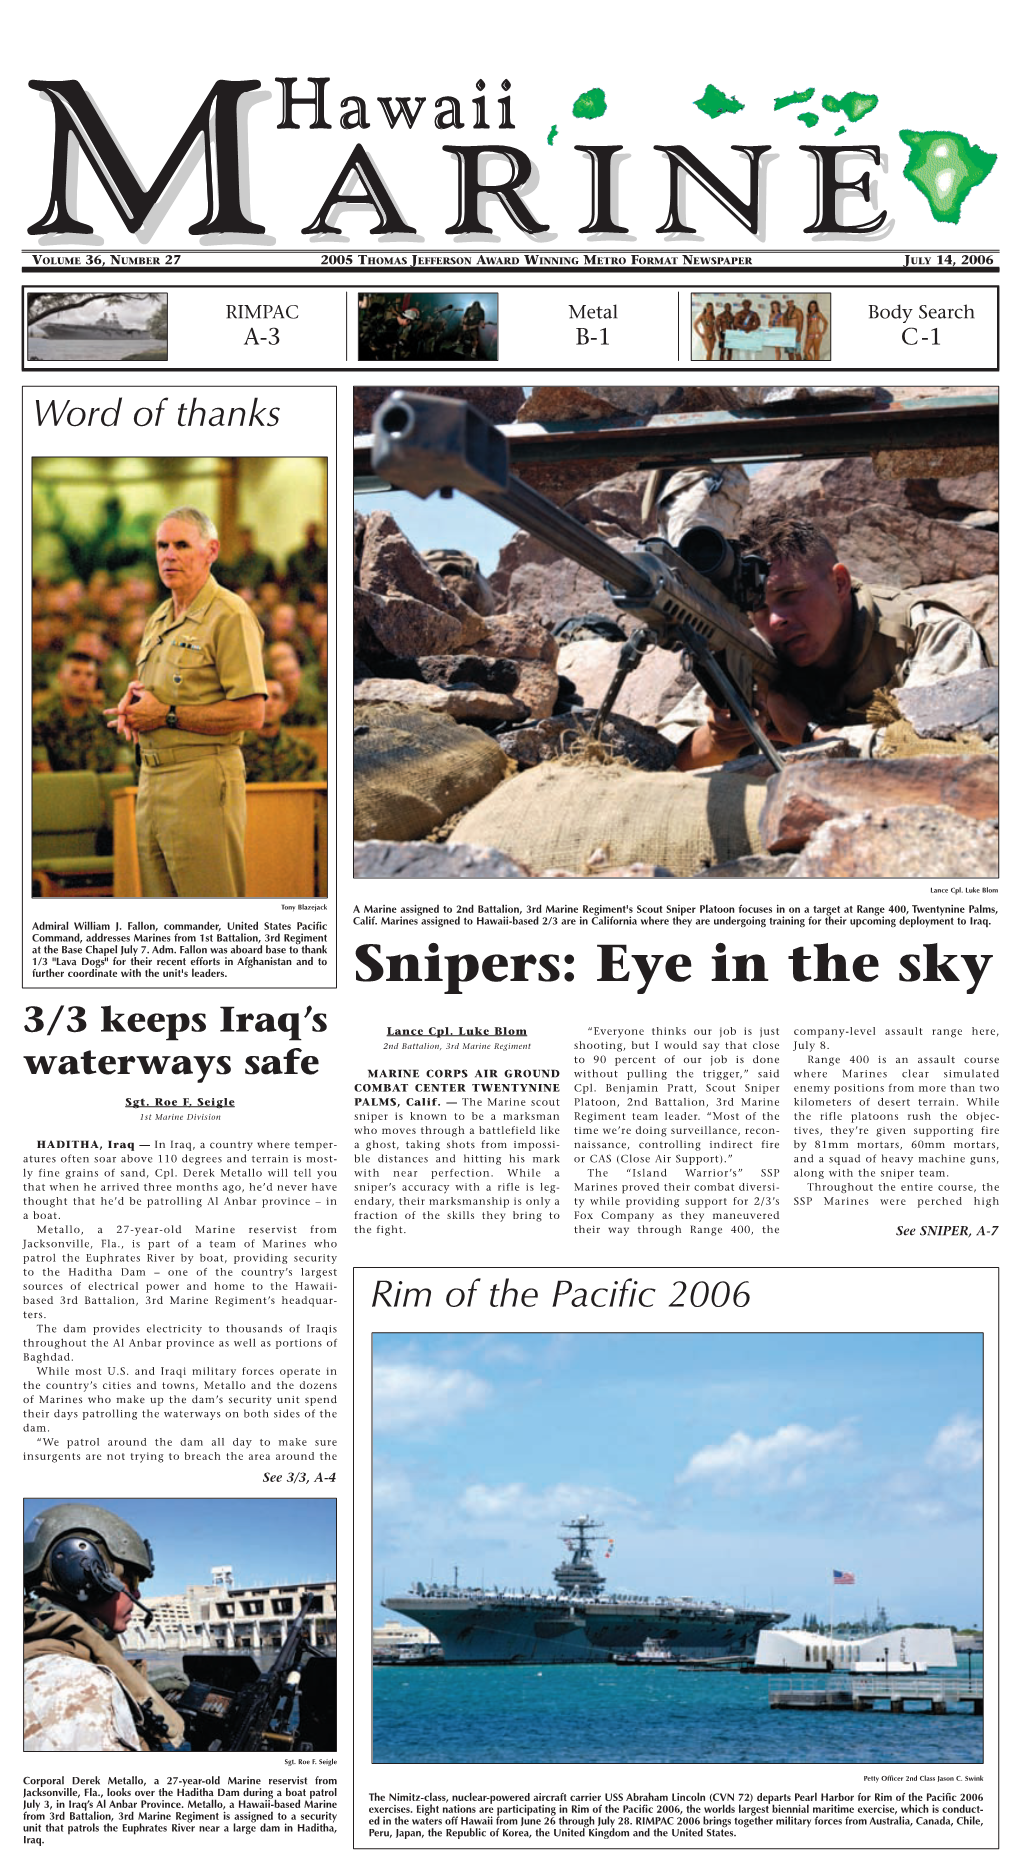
(960, 704)
(419, 860)
(589, 627)
(749, 867)
(977, 599)
(463, 576)
(905, 841)
(498, 404)
(807, 795)
(391, 567)
(579, 404)
(537, 689)
(746, 396)
(529, 746)
(571, 478)
(953, 499)
(904, 547)
(655, 686)
(533, 581)
(940, 460)
(520, 638)
(872, 523)
(404, 626)
(986, 520)
(974, 490)
(367, 612)
(461, 704)
(562, 733)
(818, 393)
(494, 672)
(834, 747)
(359, 536)
(613, 506)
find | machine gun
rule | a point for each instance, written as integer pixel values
(691, 599)
(258, 1714)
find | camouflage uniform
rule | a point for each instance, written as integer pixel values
(308, 566)
(896, 641)
(82, 1695)
(71, 1706)
(308, 709)
(270, 758)
(79, 744)
(248, 569)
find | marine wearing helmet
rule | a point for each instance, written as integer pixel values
(84, 1567)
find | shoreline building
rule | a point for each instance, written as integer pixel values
(225, 1615)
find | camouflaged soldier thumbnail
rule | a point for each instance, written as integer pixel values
(251, 567)
(309, 565)
(271, 755)
(199, 687)
(69, 733)
(83, 1570)
(306, 700)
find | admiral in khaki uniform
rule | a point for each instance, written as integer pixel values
(199, 687)
(837, 644)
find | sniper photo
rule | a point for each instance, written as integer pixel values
(179, 676)
(676, 632)
(748, 1547)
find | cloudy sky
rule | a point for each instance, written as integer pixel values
(745, 1467)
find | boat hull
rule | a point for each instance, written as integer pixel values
(476, 1631)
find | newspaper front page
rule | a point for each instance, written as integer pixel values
(639, 1083)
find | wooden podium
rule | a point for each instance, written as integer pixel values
(284, 845)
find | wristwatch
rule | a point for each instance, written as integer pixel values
(171, 717)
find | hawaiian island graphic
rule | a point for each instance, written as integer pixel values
(943, 164)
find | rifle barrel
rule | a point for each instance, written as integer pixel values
(427, 443)
(525, 507)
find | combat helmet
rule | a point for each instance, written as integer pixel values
(73, 1550)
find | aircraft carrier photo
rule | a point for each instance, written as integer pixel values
(578, 1621)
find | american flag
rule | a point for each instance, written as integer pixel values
(843, 1577)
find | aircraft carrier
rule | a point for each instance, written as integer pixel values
(578, 1621)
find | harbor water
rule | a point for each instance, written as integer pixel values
(97, 348)
(654, 1716)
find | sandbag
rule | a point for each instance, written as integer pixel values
(555, 816)
(412, 769)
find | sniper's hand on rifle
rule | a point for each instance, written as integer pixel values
(723, 737)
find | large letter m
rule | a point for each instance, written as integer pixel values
(215, 121)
